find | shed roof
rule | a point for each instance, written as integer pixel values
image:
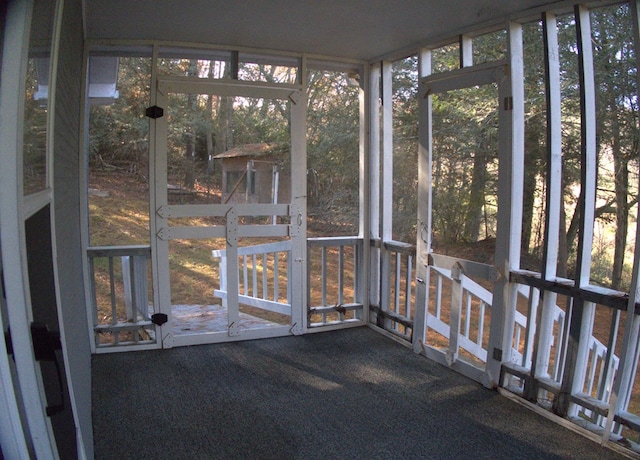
(251, 150)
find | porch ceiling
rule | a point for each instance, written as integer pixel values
(358, 29)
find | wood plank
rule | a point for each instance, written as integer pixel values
(591, 403)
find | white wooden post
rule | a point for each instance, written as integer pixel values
(457, 288)
(12, 90)
(553, 199)
(623, 384)
(466, 51)
(510, 185)
(374, 182)
(158, 199)
(387, 187)
(582, 312)
(297, 276)
(233, 314)
(363, 259)
(423, 243)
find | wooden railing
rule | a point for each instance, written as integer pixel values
(462, 323)
(124, 317)
(261, 279)
(334, 271)
(394, 311)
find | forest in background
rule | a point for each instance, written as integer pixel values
(464, 142)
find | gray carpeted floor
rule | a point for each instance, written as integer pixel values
(350, 394)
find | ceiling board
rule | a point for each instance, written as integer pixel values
(358, 29)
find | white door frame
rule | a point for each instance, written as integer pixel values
(466, 77)
(13, 211)
(162, 233)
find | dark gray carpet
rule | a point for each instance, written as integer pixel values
(350, 394)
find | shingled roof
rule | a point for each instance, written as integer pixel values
(250, 150)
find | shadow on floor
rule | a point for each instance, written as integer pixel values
(334, 395)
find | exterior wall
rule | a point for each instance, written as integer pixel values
(66, 204)
(263, 182)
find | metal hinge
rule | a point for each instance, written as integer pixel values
(154, 112)
(508, 103)
(4, 295)
(159, 319)
(7, 341)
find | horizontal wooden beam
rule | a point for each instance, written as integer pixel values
(562, 286)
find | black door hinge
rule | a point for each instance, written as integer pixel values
(7, 341)
(154, 112)
(159, 319)
(4, 295)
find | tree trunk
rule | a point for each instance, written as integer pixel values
(622, 206)
(478, 184)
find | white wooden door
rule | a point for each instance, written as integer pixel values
(461, 303)
(229, 207)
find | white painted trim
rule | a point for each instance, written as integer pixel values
(589, 147)
(374, 182)
(83, 172)
(239, 335)
(161, 212)
(554, 194)
(466, 50)
(386, 199)
(12, 90)
(225, 87)
(57, 31)
(347, 62)
(158, 199)
(36, 201)
(12, 436)
(424, 211)
(624, 381)
(510, 184)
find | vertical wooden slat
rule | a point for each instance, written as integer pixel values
(532, 315)
(608, 359)
(323, 300)
(112, 291)
(254, 272)
(323, 261)
(553, 199)
(374, 182)
(510, 197)
(158, 198)
(276, 277)
(466, 51)
(407, 290)
(386, 218)
(265, 275)
(362, 279)
(340, 279)
(245, 275)
(438, 298)
(467, 318)
(131, 273)
(580, 327)
(94, 296)
(457, 290)
(423, 224)
(483, 307)
(397, 282)
(630, 351)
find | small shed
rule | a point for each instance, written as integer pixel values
(255, 173)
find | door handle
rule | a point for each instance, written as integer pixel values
(45, 345)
